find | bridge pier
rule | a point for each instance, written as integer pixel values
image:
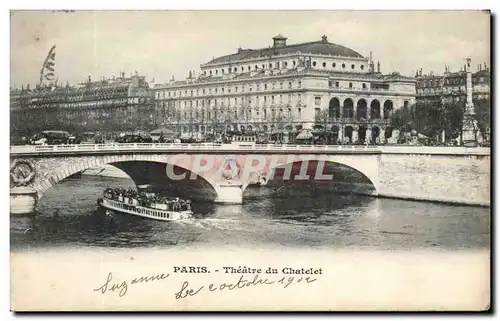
(229, 193)
(22, 200)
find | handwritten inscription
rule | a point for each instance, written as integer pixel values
(122, 287)
(187, 291)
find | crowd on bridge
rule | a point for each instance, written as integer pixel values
(149, 200)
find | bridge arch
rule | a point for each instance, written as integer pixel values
(62, 172)
(365, 169)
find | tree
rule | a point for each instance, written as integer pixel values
(403, 120)
(322, 118)
(482, 107)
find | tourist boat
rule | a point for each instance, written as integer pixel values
(147, 205)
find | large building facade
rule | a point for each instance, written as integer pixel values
(107, 106)
(286, 88)
(451, 88)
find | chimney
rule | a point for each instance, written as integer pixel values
(370, 55)
(485, 67)
(378, 66)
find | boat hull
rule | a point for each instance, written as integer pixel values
(155, 214)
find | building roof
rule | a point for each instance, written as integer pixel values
(315, 47)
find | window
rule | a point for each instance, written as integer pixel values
(362, 67)
(242, 69)
(290, 85)
(222, 71)
(317, 111)
(256, 67)
(350, 85)
(249, 68)
(265, 86)
(285, 64)
(317, 101)
(281, 85)
(314, 63)
(294, 63)
(343, 65)
(300, 84)
(229, 70)
(324, 65)
(215, 90)
(270, 65)
(364, 86)
(299, 112)
(352, 66)
(334, 65)
(210, 72)
(216, 71)
(236, 89)
(278, 65)
(235, 69)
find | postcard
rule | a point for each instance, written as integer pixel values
(250, 160)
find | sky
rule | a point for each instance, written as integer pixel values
(162, 44)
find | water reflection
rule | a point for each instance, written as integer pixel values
(67, 216)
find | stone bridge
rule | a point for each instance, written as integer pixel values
(224, 171)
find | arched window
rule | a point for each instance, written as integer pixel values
(343, 65)
(324, 65)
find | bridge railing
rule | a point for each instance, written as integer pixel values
(26, 149)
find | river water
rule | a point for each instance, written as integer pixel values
(67, 217)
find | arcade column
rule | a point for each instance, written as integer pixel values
(368, 136)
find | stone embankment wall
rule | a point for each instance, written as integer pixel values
(436, 175)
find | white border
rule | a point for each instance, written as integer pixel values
(185, 4)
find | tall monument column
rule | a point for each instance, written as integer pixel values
(469, 125)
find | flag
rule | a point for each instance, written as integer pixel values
(48, 67)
